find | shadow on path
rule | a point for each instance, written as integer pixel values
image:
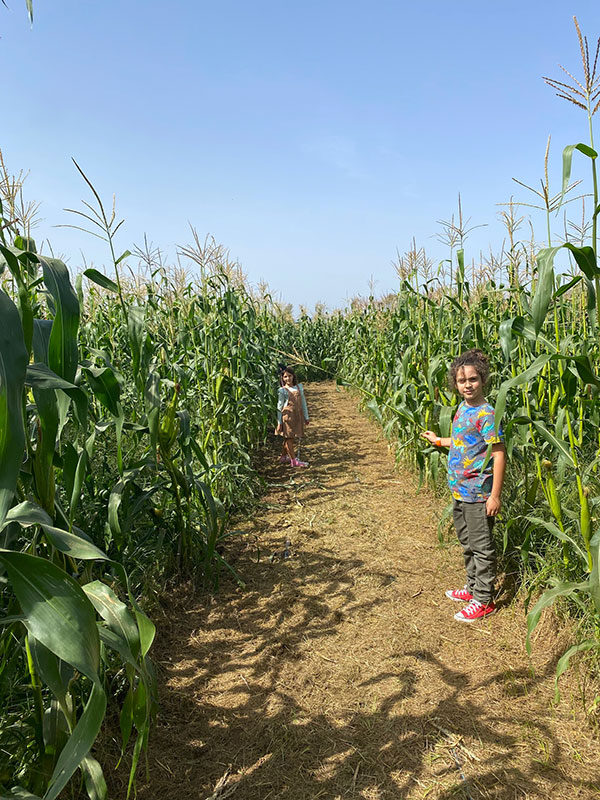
(337, 673)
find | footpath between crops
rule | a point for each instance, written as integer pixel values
(339, 672)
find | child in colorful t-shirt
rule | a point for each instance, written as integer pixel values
(475, 489)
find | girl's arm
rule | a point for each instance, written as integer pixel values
(281, 401)
(304, 406)
(432, 437)
(494, 503)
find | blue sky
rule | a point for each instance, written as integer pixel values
(312, 139)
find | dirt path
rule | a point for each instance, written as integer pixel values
(339, 672)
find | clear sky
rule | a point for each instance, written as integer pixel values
(313, 139)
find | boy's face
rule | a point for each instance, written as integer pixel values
(469, 385)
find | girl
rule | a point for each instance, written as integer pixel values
(292, 416)
(475, 489)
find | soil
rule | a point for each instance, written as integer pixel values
(339, 671)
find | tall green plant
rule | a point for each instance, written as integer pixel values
(53, 623)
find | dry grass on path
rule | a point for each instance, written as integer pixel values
(339, 672)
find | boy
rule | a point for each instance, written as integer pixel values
(475, 491)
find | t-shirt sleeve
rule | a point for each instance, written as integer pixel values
(487, 428)
(281, 401)
(304, 406)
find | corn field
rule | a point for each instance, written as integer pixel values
(541, 328)
(132, 407)
(128, 415)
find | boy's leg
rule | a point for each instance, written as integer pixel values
(481, 543)
(460, 523)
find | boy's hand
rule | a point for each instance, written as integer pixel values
(492, 506)
(430, 436)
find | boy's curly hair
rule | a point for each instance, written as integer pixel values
(470, 358)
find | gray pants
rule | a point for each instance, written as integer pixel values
(474, 530)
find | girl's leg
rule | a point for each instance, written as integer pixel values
(284, 455)
(296, 461)
(289, 448)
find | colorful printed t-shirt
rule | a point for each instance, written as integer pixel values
(472, 432)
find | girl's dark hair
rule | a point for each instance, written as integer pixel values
(470, 358)
(280, 371)
(291, 371)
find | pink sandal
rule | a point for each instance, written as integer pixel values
(284, 459)
(297, 463)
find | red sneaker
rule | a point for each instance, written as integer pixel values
(474, 611)
(460, 595)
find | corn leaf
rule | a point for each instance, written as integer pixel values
(47, 408)
(518, 380)
(567, 159)
(63, 353)
(566, 287)
(73, 545)
(544, 287)
(57, 612)
(40, 376)
(595, 573)
(79, 743)
(552, 528)
(27, 513)
(562, 589)
(505, 336)
(586, 260)
(563, 662)
(94, 779)
(373, 406)
(135, 327)
(106, 387)
(145, 625)
(117, 616)
(13, 366)
(101, 280)
(53, 673)
(445, 421)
